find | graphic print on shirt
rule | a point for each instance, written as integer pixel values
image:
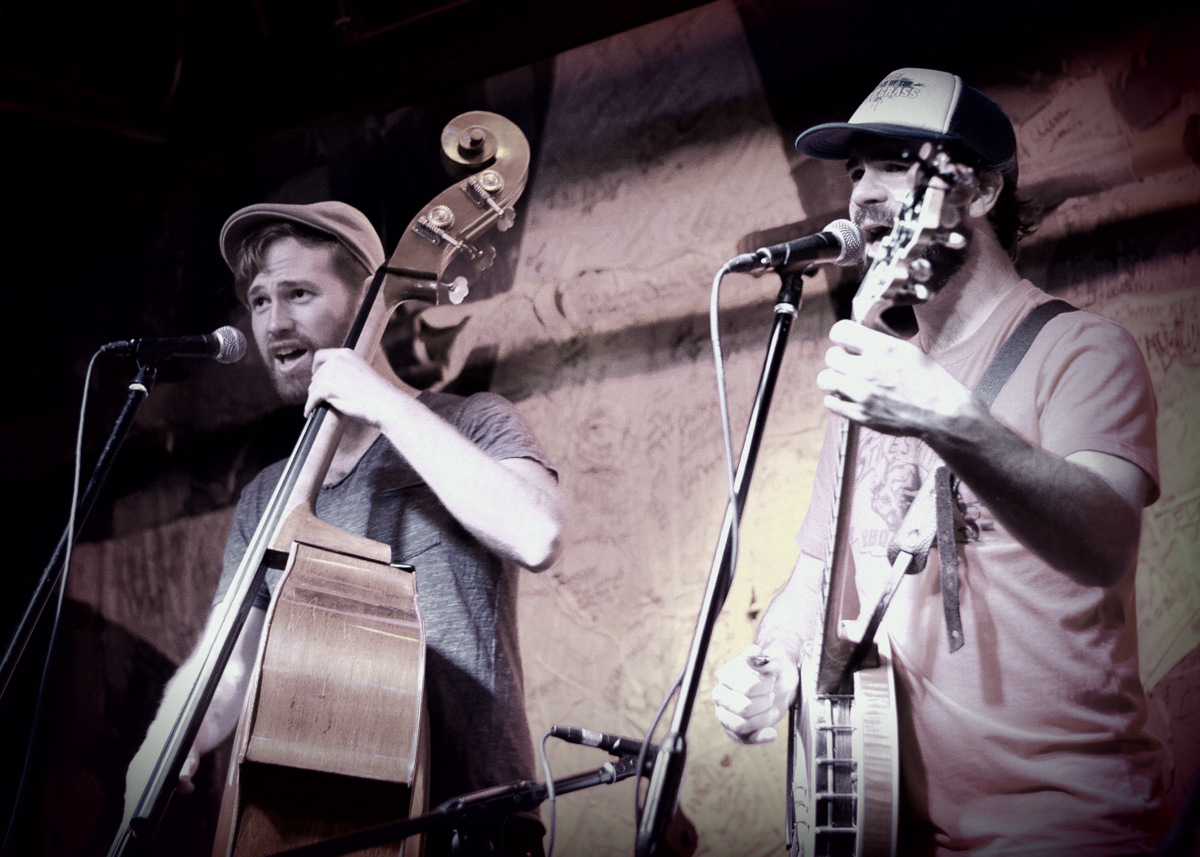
(890, 472)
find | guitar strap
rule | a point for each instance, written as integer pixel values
(946, 483)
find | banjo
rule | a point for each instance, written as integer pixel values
(843, 757)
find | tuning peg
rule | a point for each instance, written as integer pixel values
(456, 291)
(920, 270)
(955, 240)
(484, 259)
(479, 189)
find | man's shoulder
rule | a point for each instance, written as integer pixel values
(490, 420)
(1086, 328)
(259, 488)
(459, 409)
(1080, 321)
(271, 472)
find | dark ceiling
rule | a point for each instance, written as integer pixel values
(155, 79)
(93, 94)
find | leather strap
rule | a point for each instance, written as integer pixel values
(945, 485)
(1003, 364)
(1014, 348)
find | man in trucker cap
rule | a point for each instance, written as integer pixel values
(1019, 708)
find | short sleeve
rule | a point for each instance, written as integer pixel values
(499, 429)
(1092, 392)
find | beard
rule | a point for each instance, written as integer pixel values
(292, 389)
(291, 379)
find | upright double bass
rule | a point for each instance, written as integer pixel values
(332, 733)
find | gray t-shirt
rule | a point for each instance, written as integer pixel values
(474, 685)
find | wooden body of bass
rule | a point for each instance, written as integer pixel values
(333, 737)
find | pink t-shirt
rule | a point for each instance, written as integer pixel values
(1029, 738)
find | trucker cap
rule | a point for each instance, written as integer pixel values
(340, 221)
(923, 104)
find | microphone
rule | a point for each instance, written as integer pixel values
(613, 744)
(841, 243)
(225, 345)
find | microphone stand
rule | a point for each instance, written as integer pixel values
(518, 796)
(139, 389)
(662, 795)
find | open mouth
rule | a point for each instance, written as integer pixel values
(289, 357)
(877, 232)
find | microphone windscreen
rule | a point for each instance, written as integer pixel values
(231, 343)
(851, 239)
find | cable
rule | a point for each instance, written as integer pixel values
(62, 589)
(641, 759)
(550, 796)
(714, 332)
